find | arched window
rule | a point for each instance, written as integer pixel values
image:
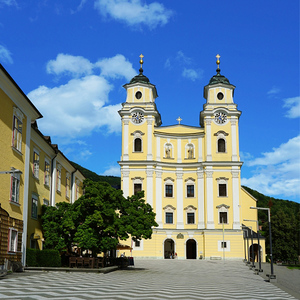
(137, 145)
(221, 145)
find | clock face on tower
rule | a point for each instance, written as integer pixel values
(220, 117)
(137, 117)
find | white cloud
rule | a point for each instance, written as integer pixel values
(69, 64)
(5, 55)
(278, 171)
(191, 74)
(8, 2)
(181, 57)
(293, 104)
(135, 12)
(116, 67)
(113, 171)
(81, 105)
(273, 91)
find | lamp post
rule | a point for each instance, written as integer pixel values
(246, 247)
(272, 276)
(259, 259)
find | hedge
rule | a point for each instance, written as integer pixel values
(43, 258)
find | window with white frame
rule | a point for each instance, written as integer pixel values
(77, 187)
(15, 188)
(34, 207)
(169, 183)
(47, 173)
(58, 177)
(36, 164)
(46, 202)
(190, 187)
(17, 129)
(137, 141)
(222, 186)
(221, 141)
(223, 213)
(190, 214)
(137, 184)
(12, 240)
(169, 214)
(224, 245)
(168, 149)
(68, 176)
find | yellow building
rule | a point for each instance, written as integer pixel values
(190, 175)
(32, 171)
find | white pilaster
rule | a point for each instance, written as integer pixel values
(179, 196)
(149, 138)
(208, 139)
(26, 177)
(210, 199)
(158, 200)
(149, 192)
(53, 181)
(200, 158)
(234, 139)
(125, 174)
(125, 139)
(179, 151)
(236, 199)
(158, 149)
(200, 192)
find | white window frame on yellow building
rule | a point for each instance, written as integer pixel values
(34, 206)
(58, 177)
(223, 208)
(36, 163)
(189, 182)
(169, 209)
(13, 249)
(68, 184)
(221, 135)
(222, 180)
(47, 172)
(188, 210)
(15, 188)
(137, 135)
(168, 181)
(17, 129)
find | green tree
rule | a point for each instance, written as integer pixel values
(98, 219)
(284, 237)
(58, 226)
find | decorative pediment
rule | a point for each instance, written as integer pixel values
(223, 206)
(190, 179)
(137, 132)
(169, 178)
(221, 132)
(190, 208)
(169, 208)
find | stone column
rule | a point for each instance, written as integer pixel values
(200, 192)
(179, 160)
(149, 138)
(208, 139)
(179, 196)
(125, 138)
(158, 200)
(209, 199)
(149, 191)
(125, 177)
(236, 199)
(234, 139)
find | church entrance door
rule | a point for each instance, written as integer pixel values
(191, 251)
(169, 248)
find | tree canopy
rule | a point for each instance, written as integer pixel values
(97, 220)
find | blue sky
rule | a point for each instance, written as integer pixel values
(72, 58)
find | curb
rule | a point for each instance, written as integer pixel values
(85, 270)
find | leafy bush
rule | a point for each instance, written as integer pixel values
(43, 258)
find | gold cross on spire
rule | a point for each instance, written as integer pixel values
(218, 60)
(141, 61)
(179, 120)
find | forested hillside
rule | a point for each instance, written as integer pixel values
(112, 180)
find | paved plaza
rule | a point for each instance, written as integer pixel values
(149, 279)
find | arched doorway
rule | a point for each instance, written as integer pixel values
(191, 249)
(255, 249)
(169, 248)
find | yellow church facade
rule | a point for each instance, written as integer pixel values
(190, 175)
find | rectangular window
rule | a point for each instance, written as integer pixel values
(15, 189)
(137, 188)
(169, 190)
(222, 190)
(46, 202)
(190, 190)
(58, 180)
(17, 134)
(137, 244)
(36, 164)
(47, 173)
(68, 186)
(77, 182)
(190, 218)
(223, 245)
(34, 208)
(223, 217)
(169, 218)
(12, 240)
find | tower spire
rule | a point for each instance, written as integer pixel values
(218, 63)
(141, 62)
